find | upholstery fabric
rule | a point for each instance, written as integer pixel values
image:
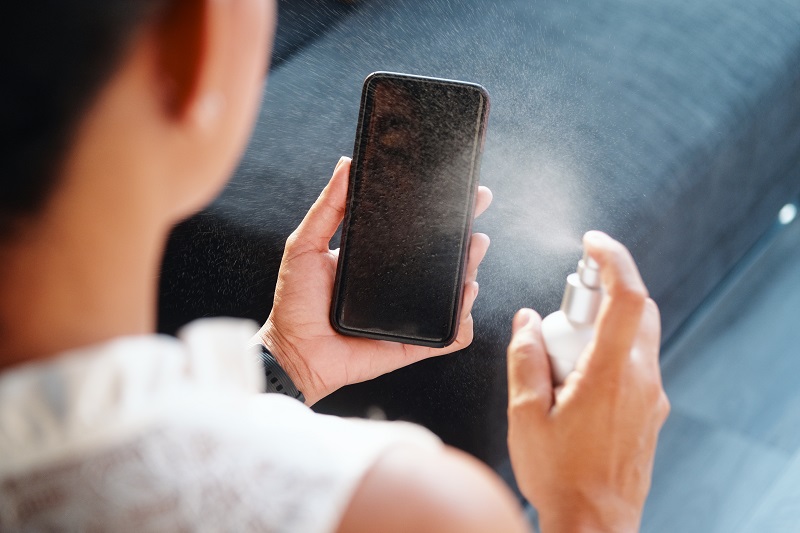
(673, 125)
(301, 21)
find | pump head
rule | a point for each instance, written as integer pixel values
(582, 295)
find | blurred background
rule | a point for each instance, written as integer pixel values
(674, 125)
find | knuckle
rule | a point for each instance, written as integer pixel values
(292, 240)
(522, 404)
(654, 391)
(631, 295)
(523, 347)
(473, 290)
(634, 293)
(649, 382)
(653, 387)
(651, 309)
(664, 405)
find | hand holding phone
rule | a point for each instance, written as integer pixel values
(298, 331)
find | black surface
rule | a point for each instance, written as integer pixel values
(300, 22)
(673, 125)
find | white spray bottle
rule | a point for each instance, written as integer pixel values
(568, 331)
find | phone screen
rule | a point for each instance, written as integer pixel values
(408, 222)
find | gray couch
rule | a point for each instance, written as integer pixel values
(674, 125)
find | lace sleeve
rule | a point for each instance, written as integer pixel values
(293, 471)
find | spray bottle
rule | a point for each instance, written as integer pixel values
(568, 331)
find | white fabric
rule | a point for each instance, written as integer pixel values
(160, 434)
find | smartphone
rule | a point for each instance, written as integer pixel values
(408, 220)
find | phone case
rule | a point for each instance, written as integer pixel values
(457, 276)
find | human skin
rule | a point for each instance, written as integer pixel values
(161, 138)
(583, 453)
(159, 141)
(298, 331)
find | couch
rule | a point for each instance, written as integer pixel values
(674, 125)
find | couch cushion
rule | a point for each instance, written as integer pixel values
(672, 124)
(301, 21)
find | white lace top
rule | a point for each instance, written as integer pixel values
(154, 433)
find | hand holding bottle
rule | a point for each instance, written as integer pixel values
(584, 456)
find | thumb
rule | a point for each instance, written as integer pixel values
(324, 217)
(530, 384)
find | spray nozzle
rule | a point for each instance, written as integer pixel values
(589, 272)
(582, 294)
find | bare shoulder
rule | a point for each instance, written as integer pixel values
(422, 490)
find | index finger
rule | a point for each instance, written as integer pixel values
(483, 200)
(622, 307)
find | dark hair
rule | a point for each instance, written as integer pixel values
(55, 55)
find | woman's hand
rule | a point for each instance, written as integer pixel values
(583, 454)
(298, 331)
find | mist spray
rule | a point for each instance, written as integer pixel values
(569, 330)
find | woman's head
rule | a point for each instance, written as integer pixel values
(93, 88)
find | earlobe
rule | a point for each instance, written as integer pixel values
(206, 111)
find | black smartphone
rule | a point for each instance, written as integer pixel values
(408, 220)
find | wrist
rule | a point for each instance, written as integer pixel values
(289, 359)
(278, 381)
(583, 514)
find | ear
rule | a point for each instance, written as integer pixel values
(209, 58)
(204, 47)
(184, 35)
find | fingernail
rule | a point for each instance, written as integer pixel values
(595, 238)
(341, 161)
(522, 319)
